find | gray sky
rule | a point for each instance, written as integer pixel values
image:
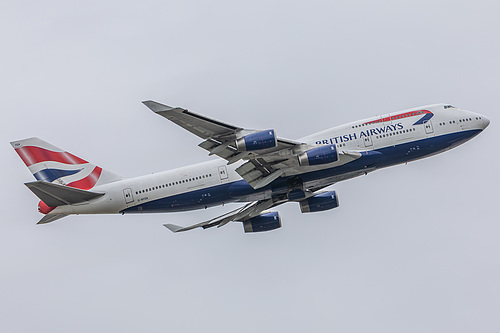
(411, 248)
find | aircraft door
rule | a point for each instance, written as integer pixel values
(127, 194)
(368, 141)
(428, 127)
(223, 172)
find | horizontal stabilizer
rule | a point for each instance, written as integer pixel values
(58, 195)
(51, 218)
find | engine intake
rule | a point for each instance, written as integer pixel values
(320, 202)
(320, 155)
(257, 141)
(263, 222)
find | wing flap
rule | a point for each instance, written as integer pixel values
(269, 179)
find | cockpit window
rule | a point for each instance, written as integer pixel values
(449, 107)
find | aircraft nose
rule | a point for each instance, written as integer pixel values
(486, 122)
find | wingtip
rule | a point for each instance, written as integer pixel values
(173, 227)
(157, 107)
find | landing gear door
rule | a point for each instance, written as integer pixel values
(428, 127)
(127, 194)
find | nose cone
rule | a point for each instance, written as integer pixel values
(486, 122)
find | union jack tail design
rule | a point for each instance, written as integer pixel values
(50, 164)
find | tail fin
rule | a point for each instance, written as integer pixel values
(50, 164)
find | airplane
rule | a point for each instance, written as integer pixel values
(256, 167)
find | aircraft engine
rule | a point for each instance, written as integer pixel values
(321, 155)
(320, 202)
(263, 222)
(257, 141)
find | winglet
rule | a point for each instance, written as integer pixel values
(173, 227)
(157, 107)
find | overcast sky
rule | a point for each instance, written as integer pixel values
(410, 249)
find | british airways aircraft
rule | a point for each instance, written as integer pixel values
(256, 168)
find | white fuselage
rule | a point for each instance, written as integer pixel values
(398, 136)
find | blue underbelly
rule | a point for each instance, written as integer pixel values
(373, 159)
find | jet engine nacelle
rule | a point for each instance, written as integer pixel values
(263, 222)
(321, 155)
(257, 141)
(320, 202)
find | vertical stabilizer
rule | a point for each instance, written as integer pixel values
(50, 164)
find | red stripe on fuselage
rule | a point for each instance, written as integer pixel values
(400, 116)
(88, 182)
(33, 155)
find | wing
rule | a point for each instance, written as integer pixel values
(199, 125)
(263, 166)
(241, 214)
